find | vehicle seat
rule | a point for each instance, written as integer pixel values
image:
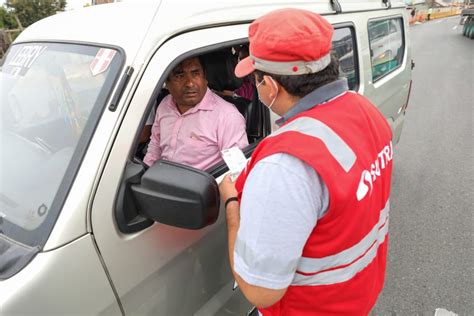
(220, 76)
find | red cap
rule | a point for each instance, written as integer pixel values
(288, 42)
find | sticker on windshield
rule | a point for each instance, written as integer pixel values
(101, 61)
(24, 59)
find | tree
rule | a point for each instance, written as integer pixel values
(30, 11)
(7, 20)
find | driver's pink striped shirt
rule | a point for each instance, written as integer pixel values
(196, 137)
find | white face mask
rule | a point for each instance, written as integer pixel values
(273, 101)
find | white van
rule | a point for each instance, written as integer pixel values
(84, 227)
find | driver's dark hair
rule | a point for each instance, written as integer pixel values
(201, 61)
(301, 85)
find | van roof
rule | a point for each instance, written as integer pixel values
(125, 24)
(117, 24)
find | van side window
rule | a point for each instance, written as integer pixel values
(343, 44)
(219, 65)
(386, 46)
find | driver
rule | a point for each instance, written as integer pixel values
(192, 124)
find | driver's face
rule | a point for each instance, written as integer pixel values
(187, 83)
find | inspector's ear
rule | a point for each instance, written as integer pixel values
(273, 85)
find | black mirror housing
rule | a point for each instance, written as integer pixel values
(177, 195)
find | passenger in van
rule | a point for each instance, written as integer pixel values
(247, 88)
(192, 124)
(307, 218)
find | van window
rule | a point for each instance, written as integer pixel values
(51, 95)
(386, 46)
(219, 65)
(343, 44)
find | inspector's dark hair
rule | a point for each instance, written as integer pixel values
(301, 85)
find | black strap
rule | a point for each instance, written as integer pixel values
(231, 199)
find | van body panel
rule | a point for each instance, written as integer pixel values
(71, 221)
(397, 127)
(63, 281)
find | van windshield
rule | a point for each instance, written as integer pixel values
(51, 96)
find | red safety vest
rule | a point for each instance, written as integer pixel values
(342, 268)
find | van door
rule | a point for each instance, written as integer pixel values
(162, 270)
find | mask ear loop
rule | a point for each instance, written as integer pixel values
(274, 99)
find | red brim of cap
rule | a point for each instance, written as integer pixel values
(244, 67)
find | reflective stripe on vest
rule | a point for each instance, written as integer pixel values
(343, 266)
(315, 128)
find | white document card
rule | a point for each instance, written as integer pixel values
(235, 160)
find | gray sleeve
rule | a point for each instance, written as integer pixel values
(282, 200)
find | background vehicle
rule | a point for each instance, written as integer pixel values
(467, 19)
(385, 45)
(81, 220)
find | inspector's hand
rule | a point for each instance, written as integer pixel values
(227, 188)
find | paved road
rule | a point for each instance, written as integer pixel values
(431, 254)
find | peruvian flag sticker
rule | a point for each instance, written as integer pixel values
(101, 61)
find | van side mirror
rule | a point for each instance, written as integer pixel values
(177, 195)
